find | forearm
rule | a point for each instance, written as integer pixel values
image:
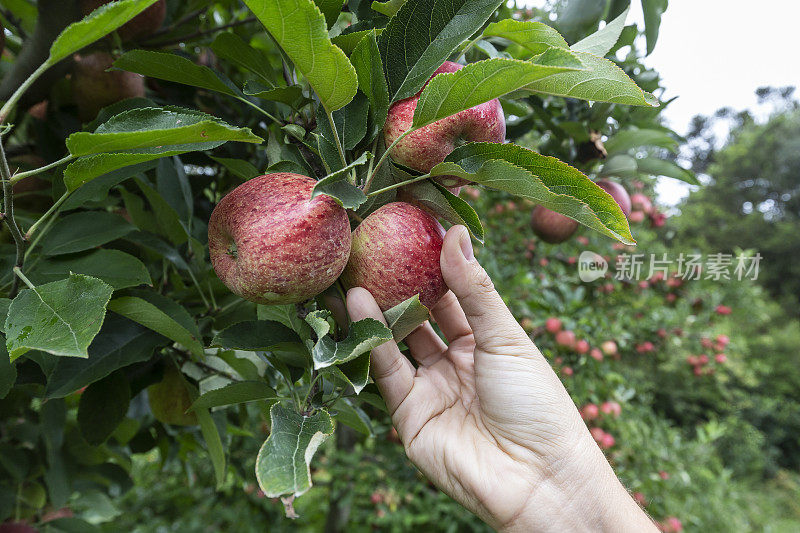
(581, 494)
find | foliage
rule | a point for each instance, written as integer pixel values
(231, 95)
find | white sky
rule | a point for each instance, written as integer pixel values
(716, 53)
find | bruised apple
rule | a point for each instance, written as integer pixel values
(271, 243)
(395, 255)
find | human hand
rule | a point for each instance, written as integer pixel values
(486, 419)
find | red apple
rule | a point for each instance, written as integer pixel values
(395, 255)
(640, 202)
(609, 348)
(582, 347)
(723, 310)
(607, 441)
(271, 243)
(550, 226)
(93, 88)
(597, 434)
(595, 353)
(142, 25)
(589, 411)
(720, 358)
(568, 371)
(618, 193)
(640, 499)
(611, 408)
(565, 338)
(723, 339)
(553, 325)
(428, 146)
(636, 216)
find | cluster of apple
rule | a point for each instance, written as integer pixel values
(272, 243)
(699, 363)
(567, 339)
(93, 85)
(593, 413)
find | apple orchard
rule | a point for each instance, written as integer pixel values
(190, 188)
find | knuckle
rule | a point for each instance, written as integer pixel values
(481, 282)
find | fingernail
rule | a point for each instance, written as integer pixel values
(466, 246)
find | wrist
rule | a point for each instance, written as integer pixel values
(581, 493)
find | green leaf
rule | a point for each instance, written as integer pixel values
(172, 67)
(60, 318)
(331, 10)
(150, 316)
(121, 342)
(619, 165)
(238, 167)
(97, 189)
(102, 407)
(446, 205)
(234, 393)
(355, 372)
(99, 23)
(535, 37)
(287, 315)
(346, 194)
(118, 269)
(388, 8)
(82, 231)
(351, 124)
(363, 336)
(634, 138)
(366, 59)
(164, 216)
(602, 41)
(661, 167)
(437, 29)
(174, 187)
(283, 462)
(152, 128)
(299, 28)
(352, 416)
(292, 96)
(652, 9)
(8, 372)
(545, 180)
(231, 47)
(405, 317)
(212, 439)
(255, 335)
(87, 168)
(347, 40)
(602, 81)
(476, 83)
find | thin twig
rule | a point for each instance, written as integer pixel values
(397, 185)
(8, 217)
(200, 33)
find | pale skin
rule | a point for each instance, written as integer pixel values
(486, 419)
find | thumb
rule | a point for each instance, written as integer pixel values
(492, 323)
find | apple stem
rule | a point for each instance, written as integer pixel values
(396, 185)
(385, 154)
(336, 137)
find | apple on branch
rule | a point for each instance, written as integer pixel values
(271, 243)
(395, 255)
(428, 146)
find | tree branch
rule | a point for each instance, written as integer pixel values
(8, 217)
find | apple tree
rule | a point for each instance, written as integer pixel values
(126, 125)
